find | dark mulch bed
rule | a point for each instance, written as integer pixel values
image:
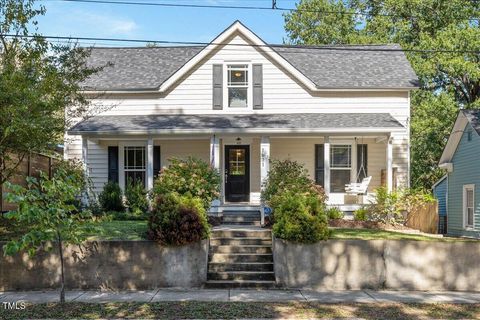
(352, 224)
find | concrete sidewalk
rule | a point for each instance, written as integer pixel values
(245, 295)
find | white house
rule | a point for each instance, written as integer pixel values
(343, 111)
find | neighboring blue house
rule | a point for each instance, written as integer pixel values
(440, 189)
(461, 159)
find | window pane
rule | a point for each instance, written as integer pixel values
(237, 97)
(469, 198)
(470, 216)
(340, 156)
(237, 162)
(338, 180)
(135, 176)
(238, 77)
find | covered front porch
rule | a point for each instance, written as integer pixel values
(336, 149)
(243, 160)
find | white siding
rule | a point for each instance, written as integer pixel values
(282, 94)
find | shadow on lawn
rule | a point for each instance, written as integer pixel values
(232, 310)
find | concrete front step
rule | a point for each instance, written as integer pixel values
(240, 266)
(220, 284)
(239, 257)
(242, 275)
(238, 233)
(227, 219)
(241, 249)
(240, 241)
(244, 223)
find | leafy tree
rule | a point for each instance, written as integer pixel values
(40, 92)
(449, 81)
(48, 207)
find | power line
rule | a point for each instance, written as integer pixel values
(365, 48)
(273, 7)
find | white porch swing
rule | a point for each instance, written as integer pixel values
(355, 187)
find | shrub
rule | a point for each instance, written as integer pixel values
(299, 218)
(111, 197)
(335, 213)
(177, 220)
(360, 214)
(289, 175)
(385, 206)
(193, 177)
(136, 198)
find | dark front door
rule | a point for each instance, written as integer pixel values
(237, 173)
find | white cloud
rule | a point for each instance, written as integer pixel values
(81, 22)
(106, 24)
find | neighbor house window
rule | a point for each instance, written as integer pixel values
(135, 164)
(340, 167)
(468, 205)
(237, 76)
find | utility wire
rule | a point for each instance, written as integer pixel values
(183, 5)
(364, 48)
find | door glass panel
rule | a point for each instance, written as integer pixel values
(236, 162)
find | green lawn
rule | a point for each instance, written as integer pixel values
(235, 310)
(120, 230)
(136, 230)
(375, 234)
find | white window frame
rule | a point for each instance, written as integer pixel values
(226, 65)
(467, 187)
(144, 169)
(351, 168)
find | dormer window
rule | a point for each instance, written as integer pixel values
(237, 84)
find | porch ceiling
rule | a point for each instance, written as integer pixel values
(238, 123)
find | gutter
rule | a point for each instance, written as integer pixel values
(233, 130)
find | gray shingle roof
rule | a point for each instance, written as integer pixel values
(136, 68)
(233, 122)
(353, 68)
(473, 117)
(147, 68)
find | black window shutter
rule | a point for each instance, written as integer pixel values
(217, 87)
(156, 161)
(319, 165)
(362, 156)
(113, 164)
(257, 73)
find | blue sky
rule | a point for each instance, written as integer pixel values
(160, 23)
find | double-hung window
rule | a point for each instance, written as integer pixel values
(237, 84)
(340, 167)
(468, 205)
(135, 165)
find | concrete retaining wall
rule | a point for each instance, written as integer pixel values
(378, 264)
(117, 265)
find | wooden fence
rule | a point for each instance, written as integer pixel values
(30, 166)
(424, 218)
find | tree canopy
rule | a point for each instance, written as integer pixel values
(40, 89)
(449, 80)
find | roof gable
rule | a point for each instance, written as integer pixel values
(470, 118)
(331, 68)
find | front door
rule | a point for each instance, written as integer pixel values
(237, 173)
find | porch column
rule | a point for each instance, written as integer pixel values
(389, 164)
(264, 159)
(215, 152)
(264, 168)
(150, 164)
(215, 163)
(85, 167)
(326, 165)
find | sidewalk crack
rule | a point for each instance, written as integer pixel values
(371, 296)
(154, 295)
(81, 294)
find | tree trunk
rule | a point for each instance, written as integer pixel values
(60, 251)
